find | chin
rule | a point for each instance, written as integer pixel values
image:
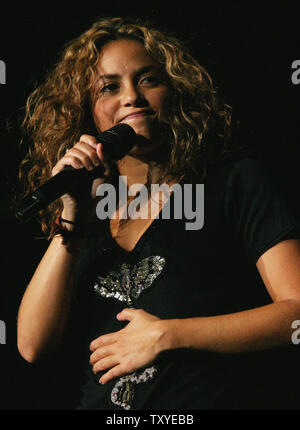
(145, 148)
(148, 137)
(142, 133)
(144, 127)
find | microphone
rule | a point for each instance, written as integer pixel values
(117, 142)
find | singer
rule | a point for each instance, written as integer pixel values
(166, 318)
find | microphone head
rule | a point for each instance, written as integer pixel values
(118, 141)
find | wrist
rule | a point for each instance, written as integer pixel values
(181, 333)
(72, 233)
(169, 335)
(72, 225)
(72, 220)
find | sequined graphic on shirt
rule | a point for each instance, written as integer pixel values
(126, 284)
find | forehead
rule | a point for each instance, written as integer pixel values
(123, 56)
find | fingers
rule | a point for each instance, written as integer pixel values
(106, 339)
(103, 359)
(105, 363)
(107, 356)
(99, 354)
(82, 155)
(115, 372)
(116, 368)
(92, 141)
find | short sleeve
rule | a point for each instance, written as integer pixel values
(257, 209)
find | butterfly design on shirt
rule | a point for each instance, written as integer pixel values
(126, 285)
(128, 282)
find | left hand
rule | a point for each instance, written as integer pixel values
(130, 348)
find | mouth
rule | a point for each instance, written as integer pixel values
(137, 114)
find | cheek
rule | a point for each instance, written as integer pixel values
(104, 114)
(160, 100)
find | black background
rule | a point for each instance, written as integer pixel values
(247, 47)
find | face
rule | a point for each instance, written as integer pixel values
(131, 90)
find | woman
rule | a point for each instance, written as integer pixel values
(172, 316)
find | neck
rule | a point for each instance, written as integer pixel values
(134, 168)
(136, 165)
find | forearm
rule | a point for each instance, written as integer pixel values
(44, 309)
(250, 330)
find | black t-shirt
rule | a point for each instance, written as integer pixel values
(178, 273)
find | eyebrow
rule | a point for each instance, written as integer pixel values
(140, 72)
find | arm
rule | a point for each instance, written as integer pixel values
(258, 328)
(250, 330)
(44, 310)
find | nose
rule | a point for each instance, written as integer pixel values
(130, 95)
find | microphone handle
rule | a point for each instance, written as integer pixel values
(63, 182)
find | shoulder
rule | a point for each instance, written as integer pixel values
(256, 206)
(248, 170)
(238, 176)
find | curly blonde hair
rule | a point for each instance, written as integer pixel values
(59, 110)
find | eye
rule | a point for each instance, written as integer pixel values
(109, 88)
(150, 80)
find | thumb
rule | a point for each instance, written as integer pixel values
(126, 314)
(99, 150)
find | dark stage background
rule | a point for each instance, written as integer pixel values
(247, 47)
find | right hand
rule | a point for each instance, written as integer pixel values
(87, 153)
